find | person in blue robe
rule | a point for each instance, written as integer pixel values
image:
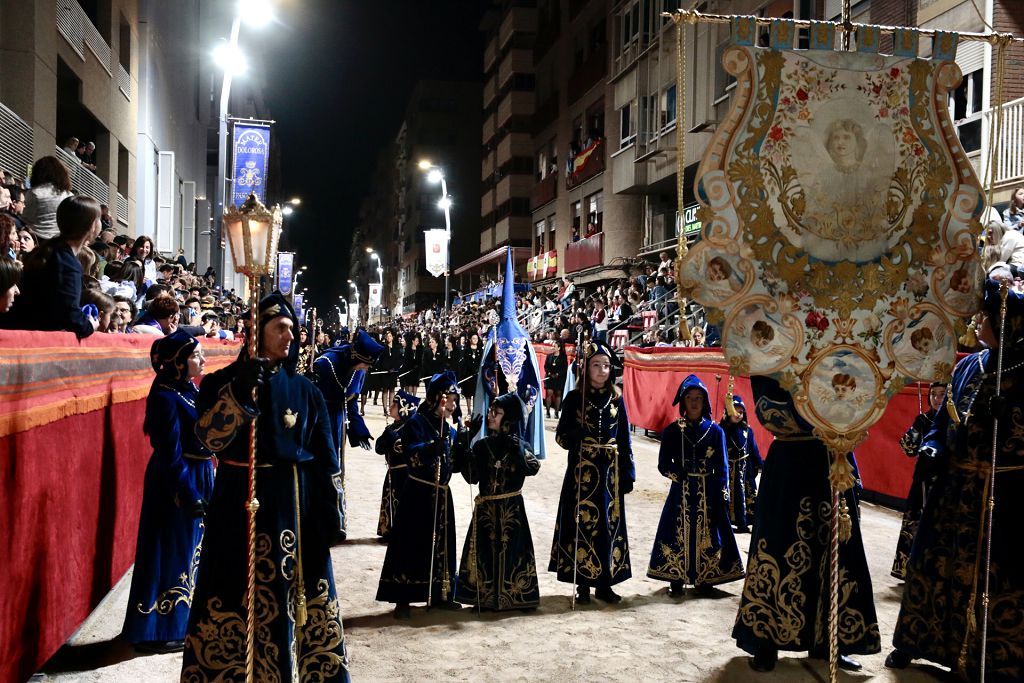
(499, 568)
(921, 483)
(420, 562)
(785, 599)
(339, 372)
(694, 544)
(942, 614)
(509, 363)
(591, 544)
(178, 484)
(298, 634)
(745, 464)
(389, 444)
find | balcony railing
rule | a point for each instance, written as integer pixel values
(84, 181)
(589, 73)
(74, 24)
(15, 143)
(122, 209)
(584, 253)
(124, 82)
(1009, 160)
(586, 165)
(544, 191)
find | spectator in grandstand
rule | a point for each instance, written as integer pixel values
(104, 304)
(71, 146)
(124, 313)
(52, 282)
(10, 276)
(123, 244)
(105, 219)
(142, 251)
(16, 207)
(10, 243)
(161, 317)
(51, 185)
(1013, 217)
(27, 241)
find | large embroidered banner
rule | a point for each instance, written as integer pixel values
(839, 214)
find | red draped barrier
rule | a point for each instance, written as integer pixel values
(652, 376)
(72, 462)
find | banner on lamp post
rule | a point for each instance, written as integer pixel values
(285, 261)
(437, 251)
(297, 302)
(250, 151)
(374, 296)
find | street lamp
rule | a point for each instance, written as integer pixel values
(300, 271)
(436, 175)
(253, 232)
(228, 56)
(380, 276)
(355, 288)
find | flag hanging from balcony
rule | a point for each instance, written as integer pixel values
(285, 260)
(250, 150)
(374, 301)
(436, 251)
(839, 225)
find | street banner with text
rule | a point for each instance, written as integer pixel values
(285, 261)
(437, 251)
(251, 149)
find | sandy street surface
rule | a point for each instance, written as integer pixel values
(647, 637)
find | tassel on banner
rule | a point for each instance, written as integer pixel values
(840, 474)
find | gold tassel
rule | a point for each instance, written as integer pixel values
(954, 416)
(730, 409)
(845, 523)
(969, 338)
(840, 474)
(300, 610)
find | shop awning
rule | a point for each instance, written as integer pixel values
(519, 255)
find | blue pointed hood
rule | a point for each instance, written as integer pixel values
(511, 338)
(692, 382)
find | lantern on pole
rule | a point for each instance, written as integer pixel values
(253, 231)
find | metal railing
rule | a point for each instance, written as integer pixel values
(124, 82)
(122, 209)
(84, 181)
(76, 27)
(69, 24)
(16, 138)
(1010, 159)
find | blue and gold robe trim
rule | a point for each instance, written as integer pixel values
(217, 427)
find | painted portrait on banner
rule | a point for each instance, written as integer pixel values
(839, 213)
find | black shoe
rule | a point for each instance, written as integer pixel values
(606, 594)
(743, 529)
(675, 589)
(898, 659)
(764, 660)
(402, 611)
(160, 647)
(583, 595)
(448, 605)
(704, 589)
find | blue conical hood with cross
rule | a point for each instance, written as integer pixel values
(509, 363)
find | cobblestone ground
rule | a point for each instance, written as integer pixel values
(647, 637)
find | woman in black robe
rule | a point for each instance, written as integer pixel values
(556, 366)
(745, 464)
(389, 444)
(469, 368)
(499, 569)
(411, 371)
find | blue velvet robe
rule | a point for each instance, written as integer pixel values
(298, 518)
(745, 464)
(394, 480)
(695, 543)
(941, 613)
(785, 597)
(179, 473)
(341, 385)
(600, 470)
(424, 531)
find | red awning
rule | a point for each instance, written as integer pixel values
(519, 254)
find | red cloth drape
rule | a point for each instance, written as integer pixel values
(652, 376)
(72, 462)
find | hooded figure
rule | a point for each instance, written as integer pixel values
(178, 484)
(499, 568)
(390, 445)
(694, 544)
(744, 464)
(299, 633)
(942, 611)
(510, 364)
(594, 428)
(420, 562)
(339, 372)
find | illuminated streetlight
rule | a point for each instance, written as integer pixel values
(287, 211)
(230, 58)
(436, 175)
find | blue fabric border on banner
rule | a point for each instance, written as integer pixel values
(782, 34)
(744, 30)
(944, 44)
(823, 35)
(868, 39)
(905, 42)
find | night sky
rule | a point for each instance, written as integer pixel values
(340, 74)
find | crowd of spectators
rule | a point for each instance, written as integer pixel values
(63, 266)
(84, 151)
